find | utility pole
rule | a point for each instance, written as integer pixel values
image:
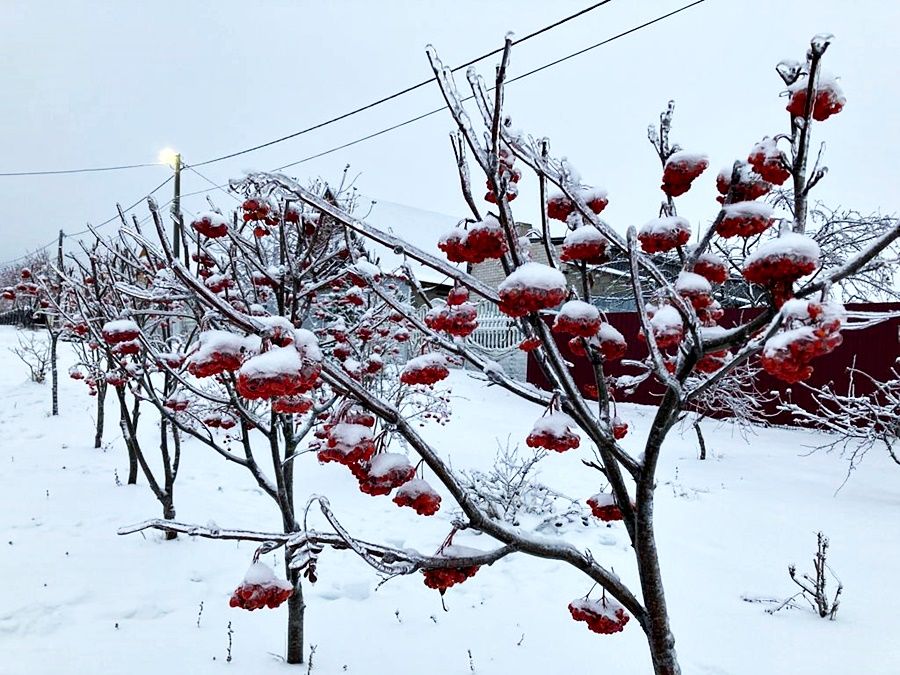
(177, 220)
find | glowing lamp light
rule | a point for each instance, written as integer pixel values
(168, 156)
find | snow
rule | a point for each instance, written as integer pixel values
(788, 245)
(689, 282)
(385, 462)
(120, 326)
(665, 318)
(748, 210)
(534, 275)
(276, 361)
(210, 342)
(555, 424)
(80, 599)
(260, 574)
(586, 234)
(665, 225)
(687, 158)
(579, 310)
(609, 333)
(429, 360)
(350, 435)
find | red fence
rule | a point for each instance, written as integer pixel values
(872, 350)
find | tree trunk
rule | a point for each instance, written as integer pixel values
(169, 514)
(659, 634)
(101, 415)
(123, 423)
(54, 374)
(296, 609)
(700, 439)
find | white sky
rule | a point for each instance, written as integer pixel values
(111, 82)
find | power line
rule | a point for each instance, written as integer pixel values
(95, 169)
(326, 123)
(400, 124)
(86, 230)
(405, 91)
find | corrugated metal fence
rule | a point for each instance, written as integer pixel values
(873, 350)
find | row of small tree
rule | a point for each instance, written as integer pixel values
(276, 333)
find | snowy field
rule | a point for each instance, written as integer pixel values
(80, 599)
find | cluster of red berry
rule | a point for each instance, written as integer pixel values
(292, 405)
(442, 578)
(769, 162)
(577, 318)
(829, 100)
(418, 495)
(664, 235)
(509, 171)
(522, 300)
(711, 267)
(261, 588)
(457, 319)
(554, 432)
(619, 428)
(560, 207)
(426, 369)
(255, 385)
(210, 225)
(481, 241)
(744, 222)
(603, 616)
(680, 170)
(603, 506)
(346, 443)
(584, 244)
(787, 355)
(750, 185)
(383, 473)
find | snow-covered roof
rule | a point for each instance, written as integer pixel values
(419, 227)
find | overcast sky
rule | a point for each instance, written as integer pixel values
(112, 82)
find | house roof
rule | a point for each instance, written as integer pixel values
(418, 227)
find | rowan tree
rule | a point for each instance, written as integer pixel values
(688, 352)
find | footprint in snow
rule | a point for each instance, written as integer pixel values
(353, 591)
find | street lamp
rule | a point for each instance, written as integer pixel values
(172, 158)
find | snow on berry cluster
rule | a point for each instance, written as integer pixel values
(605, 616)
(442, 578)
(663, 234)
(531, 288)
(457, 317)
(556, 431)
(418, 495)
(210, 224)
(680, 170)
(711, 267)
(218, 351)
(584, 244)
(603, 506)
(282, 371)
(481, 241)
(829, 97)
(769, 162)
(426, 369)
(560, 207)
(778, 263)
(811, 329)
(745, 219)
(749, 186)
(666, 324)
(508, 171)
(261, 588)
(577, 318)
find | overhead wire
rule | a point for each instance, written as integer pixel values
(393, 127)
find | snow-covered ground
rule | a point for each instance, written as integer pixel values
(80, 599)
